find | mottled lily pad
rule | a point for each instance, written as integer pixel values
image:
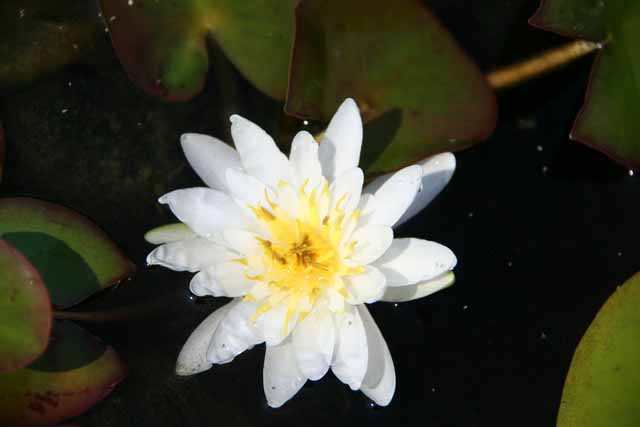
(163, 45)
(603, 384)
(25, 310)
(75, 372)
(74, 257)
(608, 120)
(404, 69)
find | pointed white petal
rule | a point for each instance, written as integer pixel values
(204, 283)
(210, 158)
(410, 261)
(281, 376)
(351, 354)
(346, 190)
(206, 211)
(234, 334)
(366, 287)
(436, 174)
(304, 160)
(272, 324)
(259, 154)
(419, 290)
(169, 233)
(188, 255)
(340, 148)
(245, 188)
(371, 241)
(395, 196)
(379, 383)
(232, 278)
(244, 242)
(193, 356)
(314, 339)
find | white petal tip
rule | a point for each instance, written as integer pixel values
(185, 370)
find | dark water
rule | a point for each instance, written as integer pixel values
(544, 230)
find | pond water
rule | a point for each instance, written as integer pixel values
(544, 230)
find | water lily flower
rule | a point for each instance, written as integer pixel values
(300, 248)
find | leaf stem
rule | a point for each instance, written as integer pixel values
(120, 314)
(540, 64)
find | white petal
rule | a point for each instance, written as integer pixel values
(281, 376)
(259, 154)
(206, 211)
(340, 148)
(395, 196)
(314, 339)
(193, 356)
(371, 241)
(419, 290)
(188, 255)
(379, 383)
(367, 204)
(169, 233)
(272, 324)
(245, 188)
(346, 189)
(232, 278)
(366, 287)
(410, 261)
(210, 158)
(244, 242)
(436, 174)
(204, 283)
(351, 354)
(234, 334)
(304, 159)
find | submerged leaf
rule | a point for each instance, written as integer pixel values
(75, 372)
(38, 37)
(608, 119)
(163, 45)
(408, 75)
(603, 384)
(74, 257)
(25, 310)
(3, 150)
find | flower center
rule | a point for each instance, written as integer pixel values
(305, 255)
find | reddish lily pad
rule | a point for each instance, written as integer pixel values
(603, 384)
(25, 310)
(404, 69)
(163, 45)
(608, 119)
(73, 255)
(75, 373)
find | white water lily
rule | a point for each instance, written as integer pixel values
(301, 249)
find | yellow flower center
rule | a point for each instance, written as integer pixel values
(305, 254)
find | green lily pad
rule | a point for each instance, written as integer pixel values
(608, 119)
(25, 310)
(75, 372)
(38, 37)
(603, 384)
(74, 257)
(163, 45)
(403, 68)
